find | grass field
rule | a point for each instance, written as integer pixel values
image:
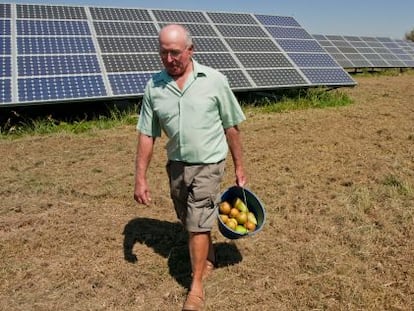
(337, 183)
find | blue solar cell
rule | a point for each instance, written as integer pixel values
(277, 20)
(50, 12)
(57, 65)
(179, 16)
(291, 33)
(305, 60)
(5, 11)
(252, 45)
(365, 50)
(5, 46)
(125, 29)
(216, 60)
(232, 18)
(241, 31)
(263, 60)
(5, 27)
(5, 91)
(127, 44)
(352, 38)
(300, 46)
(5, 67)
(55, 45)
(319, 37)
(391, 45)
(405, 57)
(209, 45)
(52, 28)
(279, 77)
(384, 39)
(129, 84)
(359, 44)
(396, 63)
(409, 63)
(328, 76)
(120, 14)
(122, 63)
(237, 79)
(55, 88)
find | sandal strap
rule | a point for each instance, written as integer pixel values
(193, 303)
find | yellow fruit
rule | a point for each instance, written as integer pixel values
(251, 218)
(250, 226)
(231, 223)
(234, 212)
(224, 218)
(239, 204)
(241, 218)
(224, 207)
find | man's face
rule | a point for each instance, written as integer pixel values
(175, 54)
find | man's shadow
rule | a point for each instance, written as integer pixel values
(170, 241)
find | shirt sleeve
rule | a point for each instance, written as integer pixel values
(148, 122)
(230, 111)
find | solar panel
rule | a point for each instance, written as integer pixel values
(56, 53)
(367, 52)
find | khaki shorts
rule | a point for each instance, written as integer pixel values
(195, 191)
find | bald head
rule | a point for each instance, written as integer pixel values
(176, 33)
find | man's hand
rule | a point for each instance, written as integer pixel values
(142, 193)
(241, 178)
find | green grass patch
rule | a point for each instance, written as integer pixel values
(397, 185)
(46, 125)
(300, 100)
(280, 101)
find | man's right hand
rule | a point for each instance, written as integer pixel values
(142, 193)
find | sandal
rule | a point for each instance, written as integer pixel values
(193, 303)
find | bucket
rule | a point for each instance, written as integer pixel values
(254, 205)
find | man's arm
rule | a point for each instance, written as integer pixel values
(143, 157)
(234, 142)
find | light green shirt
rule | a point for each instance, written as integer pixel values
(193, 119)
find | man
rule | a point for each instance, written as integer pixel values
(195, 107)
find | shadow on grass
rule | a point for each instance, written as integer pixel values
(170, 241)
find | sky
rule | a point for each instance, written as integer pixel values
(383, 18)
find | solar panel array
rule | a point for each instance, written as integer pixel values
(368, 52)
(59, 53)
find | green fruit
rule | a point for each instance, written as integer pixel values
(241, 229)
(239, 204)
(252, 218)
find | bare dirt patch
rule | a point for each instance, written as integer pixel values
(338, 186)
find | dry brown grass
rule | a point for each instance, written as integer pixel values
(338, 185)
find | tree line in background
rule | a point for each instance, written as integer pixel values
(410, 35)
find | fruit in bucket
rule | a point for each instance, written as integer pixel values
(241, 229)
(224, 217)
(224, 208)
(237, 216)
(250, 226)
(234, 212)
(231, 223)
(239, 204)
(251, 218)
(241, 218)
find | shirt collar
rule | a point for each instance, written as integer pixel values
(198, 70)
